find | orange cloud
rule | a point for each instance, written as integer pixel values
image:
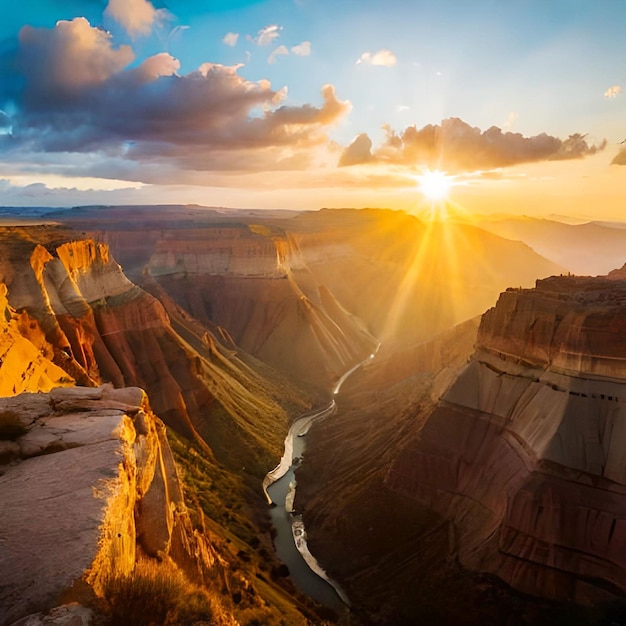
(456, 146)
(78, 95)
(613, 92)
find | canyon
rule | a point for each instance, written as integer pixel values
(515, 471)
(473, 456)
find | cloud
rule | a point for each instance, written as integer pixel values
(620, 158)
(359, 151)
(84, 108)
(5, 122)
(456, 146)
(303, 49)
(68, 57)
(401, 108)
(136, 16)
(162, 64)
(38, 194)
(280, 51)
(267, 35)
(230, 39)
(511, 118)
(385, 58)
(613, 92)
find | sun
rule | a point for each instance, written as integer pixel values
(435, 185)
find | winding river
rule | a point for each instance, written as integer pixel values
(279, 487)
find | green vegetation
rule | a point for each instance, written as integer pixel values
(231, 510)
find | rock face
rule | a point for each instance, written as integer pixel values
(253, 281)
(525, 452)
(72, 302)
(313, 293)
(25, 363)
(407, 279)
(91, 484)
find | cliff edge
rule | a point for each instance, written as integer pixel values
(524, 453)
(88, 485)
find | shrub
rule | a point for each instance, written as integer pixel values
(157, 594)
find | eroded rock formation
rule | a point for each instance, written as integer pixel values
(90, 486)
(253, 281)
(74, 304)
(525, 452)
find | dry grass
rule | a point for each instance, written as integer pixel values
(158, 594)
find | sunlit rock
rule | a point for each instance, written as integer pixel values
(93, 485)
(525, 452)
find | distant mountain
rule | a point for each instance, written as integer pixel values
(590, 249)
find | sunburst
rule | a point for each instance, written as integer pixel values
(435, 185)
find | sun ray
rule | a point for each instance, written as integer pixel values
(433, 285)
(435, 185)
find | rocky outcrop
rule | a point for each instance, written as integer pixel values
(74, 303)
(524, 453)
(91, 486)
(25, 355)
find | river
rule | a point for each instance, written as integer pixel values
(277, 486)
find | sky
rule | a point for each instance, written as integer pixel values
(306, 104)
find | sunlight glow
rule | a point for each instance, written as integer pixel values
(435, 185)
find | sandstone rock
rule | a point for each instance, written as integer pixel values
(80, 500)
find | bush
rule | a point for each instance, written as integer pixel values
(157, 595)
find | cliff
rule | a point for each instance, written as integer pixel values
(25, 363)
(252, 280)
(74, 303)
(524, 453)
(312, 293)
(88, 486)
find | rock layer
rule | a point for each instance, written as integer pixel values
(74, 303)
(524, 453)
(93, 485)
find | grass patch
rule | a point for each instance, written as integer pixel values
(158, 594)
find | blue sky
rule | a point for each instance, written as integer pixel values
(544, 69)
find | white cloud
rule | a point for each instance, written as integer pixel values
(400, 108)
(136, 16)
(230, 39)
(385, 58)
(613, 92)
(267, 35)
(303, 49)
(511, 118)
(280, 51)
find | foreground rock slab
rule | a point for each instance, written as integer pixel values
(90, 485)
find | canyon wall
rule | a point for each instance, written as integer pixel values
(408, 280)
(253, 281)
(524, 453)
(88, 486)
(73, 300)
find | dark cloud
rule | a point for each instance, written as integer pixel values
(78, 94)
(454, 145)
